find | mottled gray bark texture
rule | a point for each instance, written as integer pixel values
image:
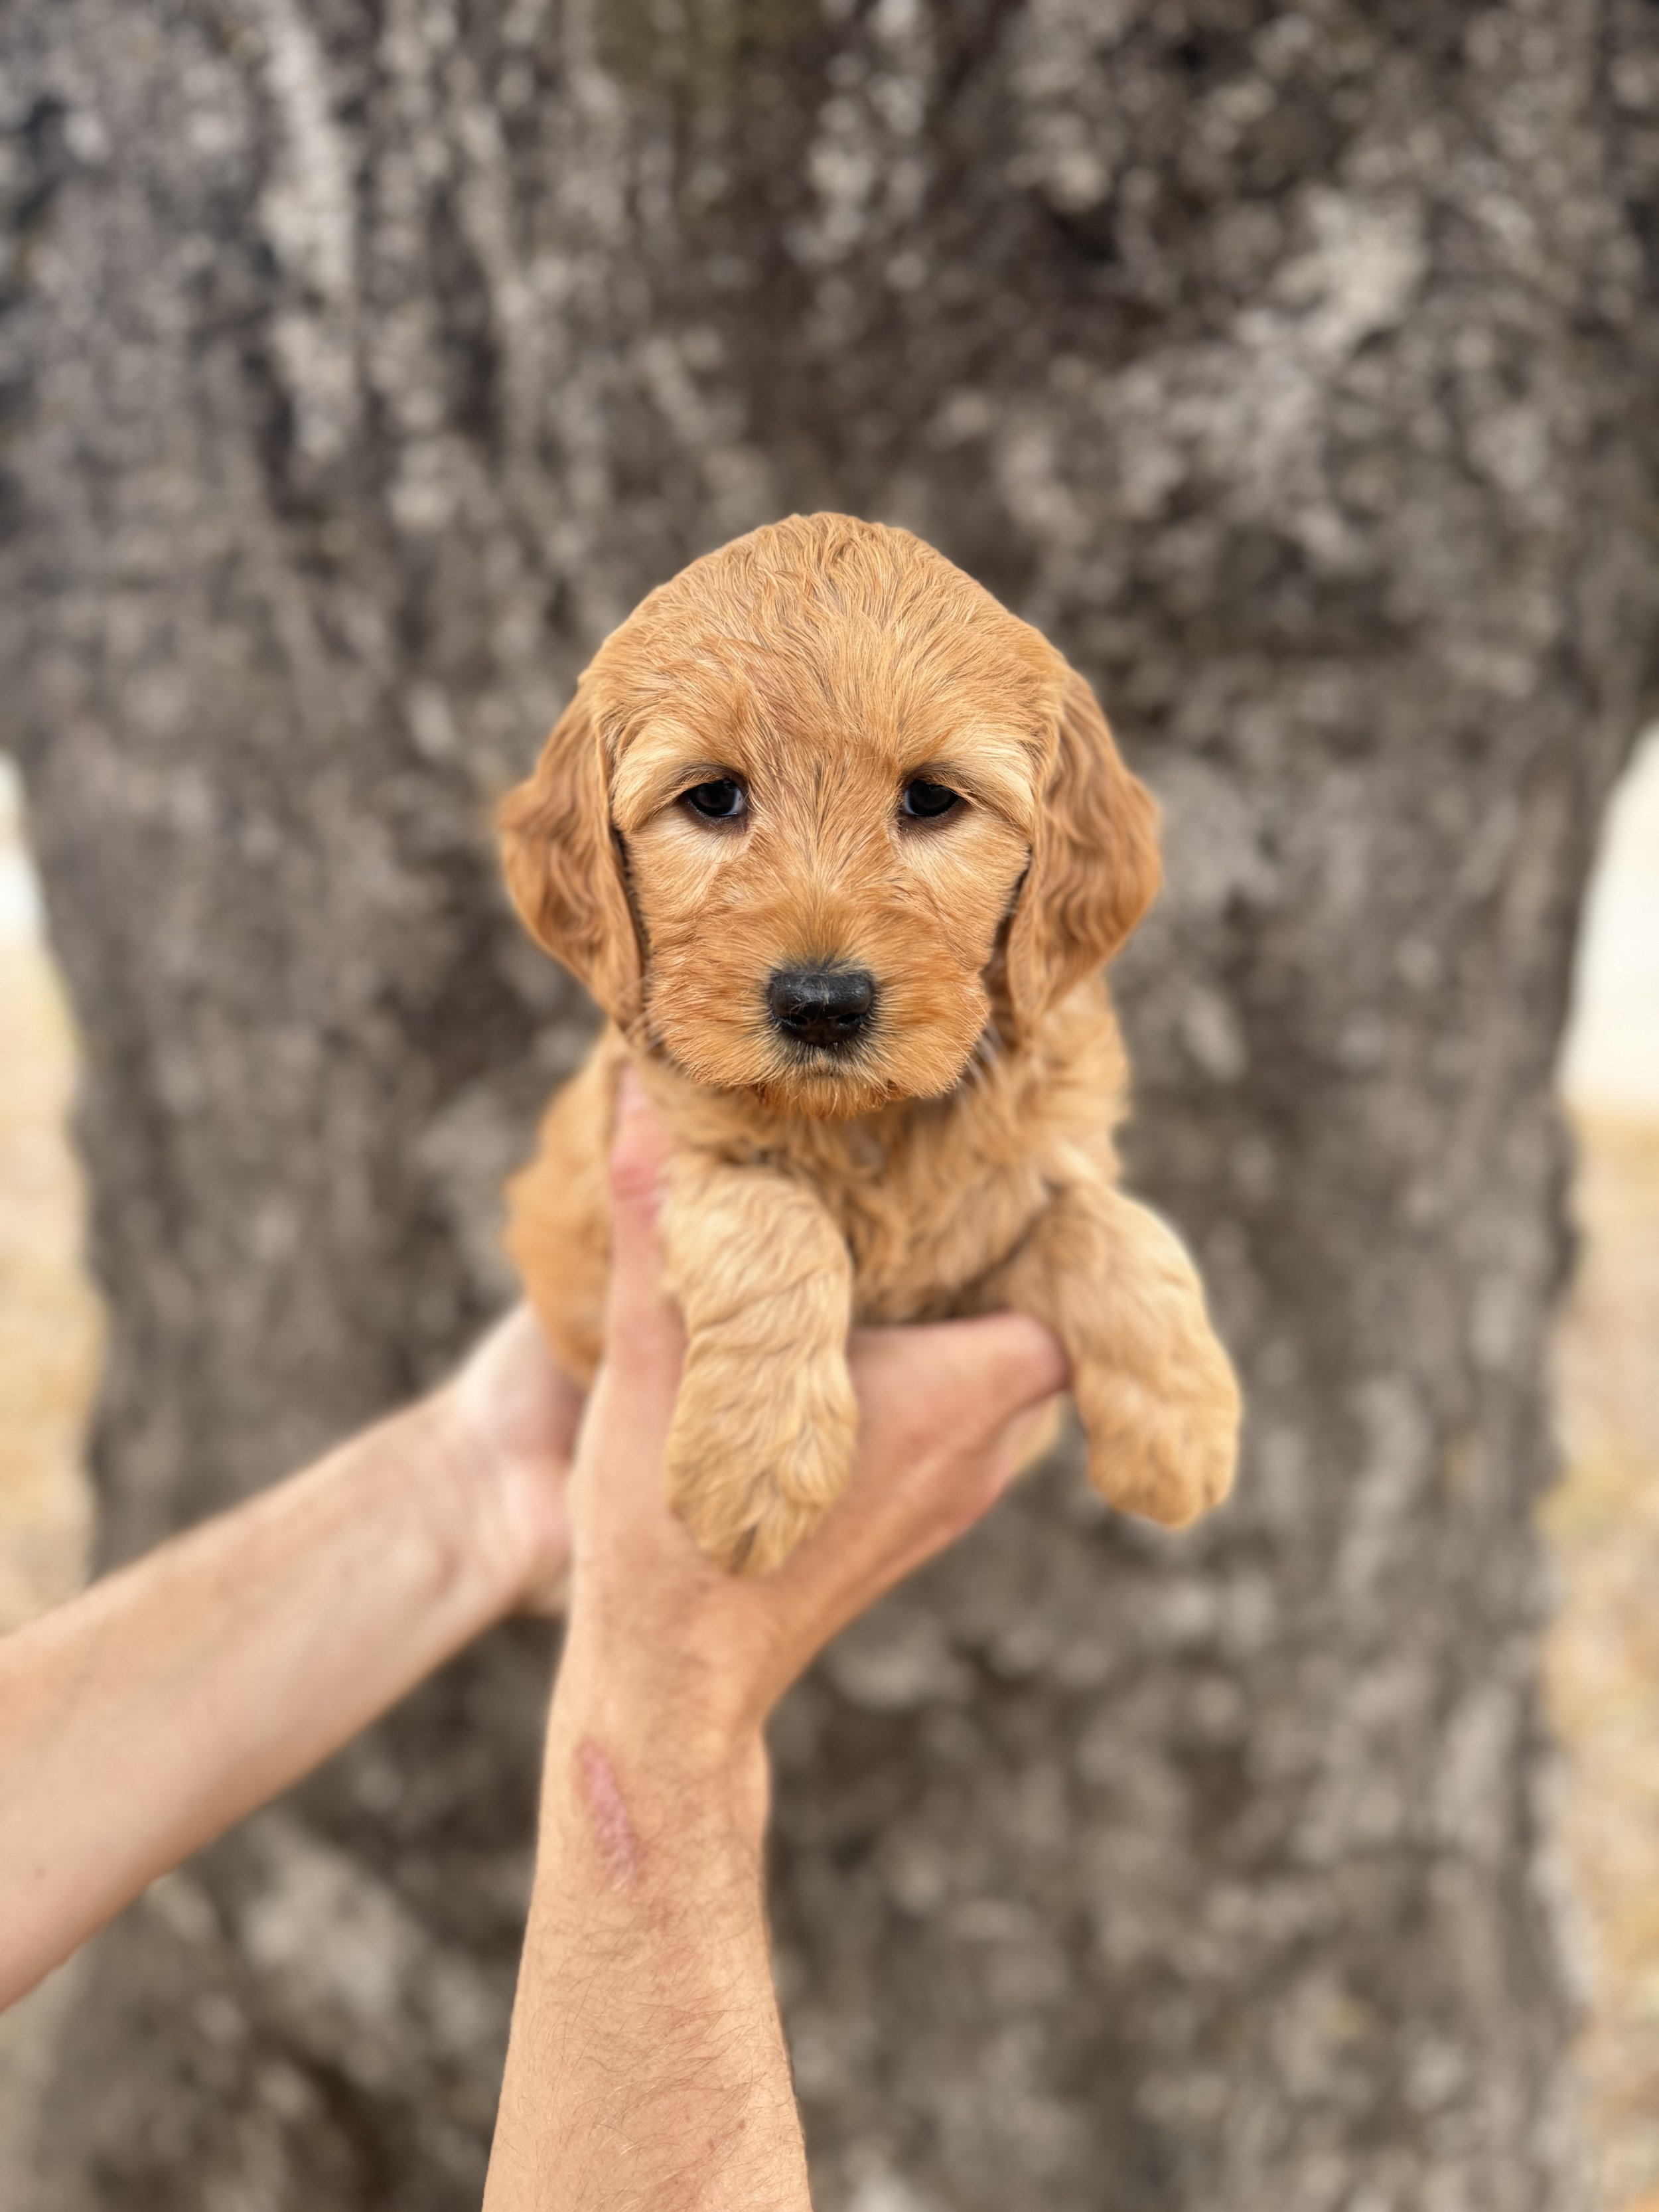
(363, 362)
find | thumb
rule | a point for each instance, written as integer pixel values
(641, 1329)
(632, 1400)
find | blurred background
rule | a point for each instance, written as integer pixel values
(1296, 367)
(1603, 1517)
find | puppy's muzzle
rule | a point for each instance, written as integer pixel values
(827, 1007)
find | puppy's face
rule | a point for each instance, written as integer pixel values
(820, 866)
(814, 799)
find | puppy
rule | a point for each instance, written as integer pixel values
(840, 847)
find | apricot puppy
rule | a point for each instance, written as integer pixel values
(841, 845)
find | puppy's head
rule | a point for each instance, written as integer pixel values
(815, 803)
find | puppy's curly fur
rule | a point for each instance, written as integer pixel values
(952, 1153)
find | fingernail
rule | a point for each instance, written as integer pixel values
(630, 1092)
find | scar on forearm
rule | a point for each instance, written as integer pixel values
(615, 1835)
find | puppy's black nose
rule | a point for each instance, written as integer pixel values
(826, 1006)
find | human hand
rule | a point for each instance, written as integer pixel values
(509, 1417)
(645, 2015)
(662, 1645)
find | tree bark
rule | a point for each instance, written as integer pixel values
(362, 365)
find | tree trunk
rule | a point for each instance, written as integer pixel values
(363, 365)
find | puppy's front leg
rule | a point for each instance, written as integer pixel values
(762, 1433)
(1154, 1390)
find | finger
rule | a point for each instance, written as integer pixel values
(1016, 1359)
(887, 1537)
(632, 1397)
(946, 1410)
(934, 1402)
(956, 1378)
(637, 1316)
(1007, 1455)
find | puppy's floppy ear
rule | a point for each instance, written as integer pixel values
(564, 866)
(1094, 866)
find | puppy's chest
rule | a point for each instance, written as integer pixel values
(925, 1234)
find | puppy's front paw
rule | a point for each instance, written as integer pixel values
(1164, 1447)
(754, 1462)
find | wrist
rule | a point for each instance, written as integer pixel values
(503, 1522)
(660, 1750)
(465, 1506)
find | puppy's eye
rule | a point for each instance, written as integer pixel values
(925, 802)
(723, 801)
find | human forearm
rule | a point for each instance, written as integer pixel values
(646, 2066)
(147, 1715)
(646, 2069)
